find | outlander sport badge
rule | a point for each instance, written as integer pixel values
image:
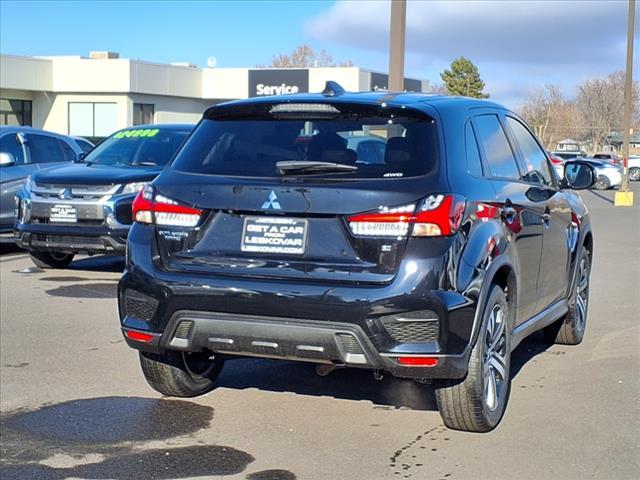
(272, 202)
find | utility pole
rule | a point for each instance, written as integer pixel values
(626, 197)
(396, 45)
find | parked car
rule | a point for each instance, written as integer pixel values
(569, 155)
(84, 144)
(433, 265)
(608, 175)
(86, 207)
(23, 150)
(634, 167)
(607, 156)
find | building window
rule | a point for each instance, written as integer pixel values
(92, 120)
(15, 112)
(143, 113)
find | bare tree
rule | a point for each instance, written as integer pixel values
(550, 115)
(305, 56)
(600, 103)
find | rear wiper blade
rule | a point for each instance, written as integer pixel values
(286, 167)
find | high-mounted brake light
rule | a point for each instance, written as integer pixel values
(158, 209)
(437, 215)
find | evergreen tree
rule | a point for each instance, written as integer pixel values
(464, 79)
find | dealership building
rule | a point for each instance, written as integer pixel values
(96, 95)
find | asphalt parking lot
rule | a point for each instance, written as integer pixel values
(74, 403)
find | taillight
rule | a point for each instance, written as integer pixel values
(150, 208)
(437, 215)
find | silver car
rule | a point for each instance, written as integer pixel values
(22, 151)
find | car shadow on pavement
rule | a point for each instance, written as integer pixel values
(99, 263)
(8, 248)
(532, 346)
(106, 437)
(343, 383)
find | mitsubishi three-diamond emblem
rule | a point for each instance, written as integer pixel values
(272, 202)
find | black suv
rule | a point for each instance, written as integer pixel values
(85, 207)
(268, 237)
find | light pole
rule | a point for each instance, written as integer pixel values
(396, 45)
(624, 197)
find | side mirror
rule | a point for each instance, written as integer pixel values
(578, 175)
(7, 159)
(80, 157)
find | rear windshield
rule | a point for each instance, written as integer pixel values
(137, 147)
(380, 146)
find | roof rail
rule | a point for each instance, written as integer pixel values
(332, 89)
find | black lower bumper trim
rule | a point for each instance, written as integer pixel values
(287, 338)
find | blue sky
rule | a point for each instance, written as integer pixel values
(517, 45)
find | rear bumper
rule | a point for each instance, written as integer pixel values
(337, 343)
(298, 319)
(71, 239)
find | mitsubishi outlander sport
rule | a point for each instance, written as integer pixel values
(268, 237)
(86, 207)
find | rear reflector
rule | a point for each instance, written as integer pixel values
(138, 336)
(438, 215)
(161, 210)
(418, 361)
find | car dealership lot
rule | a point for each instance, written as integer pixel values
(74, 403)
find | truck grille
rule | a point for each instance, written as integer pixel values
(69, 240)
(72, 192)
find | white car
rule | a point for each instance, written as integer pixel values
(634, 167)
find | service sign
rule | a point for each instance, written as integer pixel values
(278, 82)
(380, 81)
(274, 235)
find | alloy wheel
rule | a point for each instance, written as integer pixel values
(582, 295)
(495, 359)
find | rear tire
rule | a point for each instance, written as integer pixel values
(602, 183)
(477, 403)
(569, 330)
(634, 174)
(50, 259)
(180, 374)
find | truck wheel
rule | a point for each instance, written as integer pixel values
(602, 183)
(181, 374)
(50, 259)
(569, 330)
(634, 174)
(477, 403)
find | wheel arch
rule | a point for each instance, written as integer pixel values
(503, 274)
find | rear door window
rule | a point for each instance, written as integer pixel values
(46, 149)
(497, 151)
(401, 146)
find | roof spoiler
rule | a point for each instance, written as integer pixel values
(333, 89)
